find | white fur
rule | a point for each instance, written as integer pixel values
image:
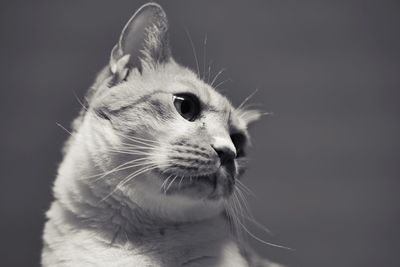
(96, 220)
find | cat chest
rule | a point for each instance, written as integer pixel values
(191, 252)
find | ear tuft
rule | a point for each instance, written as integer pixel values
(144, 38)
(248, 116)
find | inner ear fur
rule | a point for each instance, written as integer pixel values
(143, 43)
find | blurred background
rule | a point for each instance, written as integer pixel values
(325, 167)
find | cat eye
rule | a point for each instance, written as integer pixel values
(187, 105)
(239, 141)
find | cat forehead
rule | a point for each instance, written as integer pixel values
(176, 79)
(206, 94)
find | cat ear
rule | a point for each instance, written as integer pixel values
(248, 116)
(143, 41)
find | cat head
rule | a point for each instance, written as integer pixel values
(165, 138)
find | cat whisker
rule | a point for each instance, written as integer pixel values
(142, 162)
(173, 180)
(232, 210)
(136, 148)
(204, 57)
(131, 152)
(247, 98)
(136, 138)
(238, 205)
(140, 171)
(262, 240)
(245, 188)
(180, 182)
(79, 101)
(250, 106)
(145, 141)
(221, 83)
(194, 51)
(247, 214)
(129, 178)
(139, 141)
(209, 71)
(62, 127)
(127, 151)
(165, 182)
(127, 145)
(259, 225)
(166, 188)
(116, 168)
(216, 76)
(125, 168)
(132, 148)
(245, 206)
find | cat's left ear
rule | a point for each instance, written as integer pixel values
(143, 42)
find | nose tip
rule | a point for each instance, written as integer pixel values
(225, 154)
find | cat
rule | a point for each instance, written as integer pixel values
(152, 164)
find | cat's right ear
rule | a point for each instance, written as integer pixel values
(248, 116)
(143, 42)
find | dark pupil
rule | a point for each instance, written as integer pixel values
(186, 106)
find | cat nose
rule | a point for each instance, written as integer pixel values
(225, 149)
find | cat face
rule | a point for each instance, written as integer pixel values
(170, 141)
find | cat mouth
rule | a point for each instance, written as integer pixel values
(210, 185)
(210, 179)
(182, 181)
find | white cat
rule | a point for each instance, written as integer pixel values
(152, 165)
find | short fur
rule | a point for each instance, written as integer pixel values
(130, 190)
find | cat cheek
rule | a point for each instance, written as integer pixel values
(102, 114)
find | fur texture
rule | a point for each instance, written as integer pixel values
(142, 184)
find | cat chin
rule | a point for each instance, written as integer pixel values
(173, 207)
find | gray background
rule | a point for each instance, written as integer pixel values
(325, 166)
